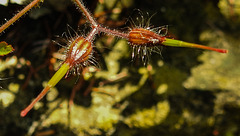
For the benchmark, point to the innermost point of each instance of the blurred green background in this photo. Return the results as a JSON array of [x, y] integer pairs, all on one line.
[[179, 92]]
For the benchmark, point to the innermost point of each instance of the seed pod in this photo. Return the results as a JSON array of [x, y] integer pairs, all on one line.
[[78, 53], [143, 42], [144, 37]]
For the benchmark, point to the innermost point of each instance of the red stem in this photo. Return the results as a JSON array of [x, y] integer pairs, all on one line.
[[91, 35], [86, 12], [30, 106], [113, 32], [18, 15]]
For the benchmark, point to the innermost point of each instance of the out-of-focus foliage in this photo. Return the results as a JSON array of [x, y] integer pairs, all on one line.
[[149, 117], [5, 48], [230, 9], [218, 72], [179, 92], [5, 2]]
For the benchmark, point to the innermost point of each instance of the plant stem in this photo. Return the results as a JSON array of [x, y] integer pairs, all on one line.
[[113, 32], [91, 35], [95, 26], [86, 12], [18, 15]]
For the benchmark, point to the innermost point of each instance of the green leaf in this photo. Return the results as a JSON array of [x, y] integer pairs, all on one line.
[[5, 48]]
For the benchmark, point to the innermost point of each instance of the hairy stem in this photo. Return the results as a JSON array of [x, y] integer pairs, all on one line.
[[91, 35], [113, 32], [18, 15], [86, 12], [96, 27]]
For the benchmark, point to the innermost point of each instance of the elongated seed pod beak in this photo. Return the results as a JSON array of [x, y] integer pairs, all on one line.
[[51, 83], [178, 43]]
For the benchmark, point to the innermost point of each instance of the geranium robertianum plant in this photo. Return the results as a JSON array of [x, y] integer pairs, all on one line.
[[80, 48]]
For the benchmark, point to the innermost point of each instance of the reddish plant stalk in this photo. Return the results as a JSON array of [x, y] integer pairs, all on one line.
[[113, 32], [18, 15], [94, 23], [91, 35], [86, 12]]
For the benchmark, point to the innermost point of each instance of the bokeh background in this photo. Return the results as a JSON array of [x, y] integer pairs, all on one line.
[[180, 91]]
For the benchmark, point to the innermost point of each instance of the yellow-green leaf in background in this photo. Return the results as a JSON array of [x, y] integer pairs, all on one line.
[[5, 48]]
